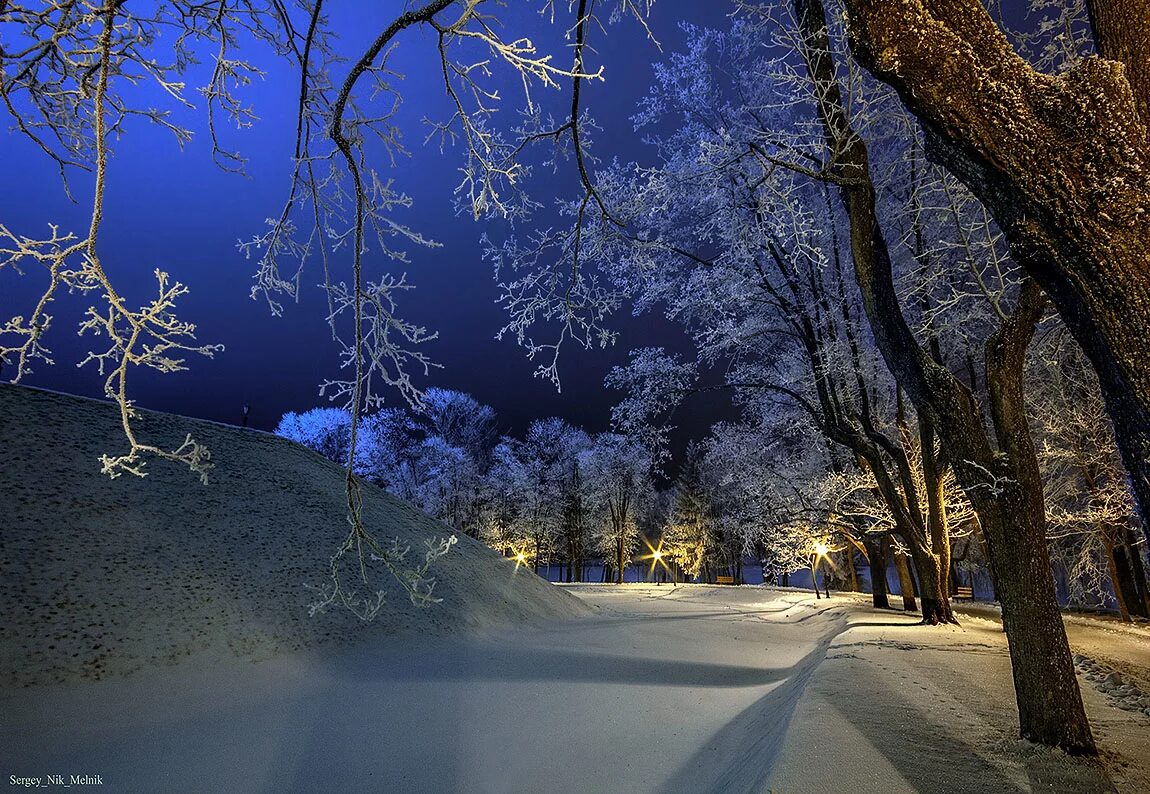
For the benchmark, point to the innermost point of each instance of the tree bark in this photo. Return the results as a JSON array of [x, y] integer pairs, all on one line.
[[1122, 33], [1033, 625], [619, 558], [1126, 582], [935, 604]]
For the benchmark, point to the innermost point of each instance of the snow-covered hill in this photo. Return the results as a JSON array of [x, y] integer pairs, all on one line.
[[101, 576]]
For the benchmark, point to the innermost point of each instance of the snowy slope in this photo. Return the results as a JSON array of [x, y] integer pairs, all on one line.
[[102, 576]]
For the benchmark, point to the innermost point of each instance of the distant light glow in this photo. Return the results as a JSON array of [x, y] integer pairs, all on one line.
[[657, 557], [821, 549]]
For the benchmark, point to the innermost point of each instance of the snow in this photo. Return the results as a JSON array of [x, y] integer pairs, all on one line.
[[664, 689], [218, 683], [932, 709], [103, 577]]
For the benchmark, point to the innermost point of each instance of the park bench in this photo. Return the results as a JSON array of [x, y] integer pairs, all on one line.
[[725, 579], [965, 593]]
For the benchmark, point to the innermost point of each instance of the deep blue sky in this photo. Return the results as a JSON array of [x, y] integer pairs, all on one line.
[[177, 211]]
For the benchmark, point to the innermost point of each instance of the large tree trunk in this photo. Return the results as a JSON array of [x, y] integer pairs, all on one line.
[[1122, 33], [1033, 623], [1126, 583], [1062, 162], [1000, 480], [935, 604]]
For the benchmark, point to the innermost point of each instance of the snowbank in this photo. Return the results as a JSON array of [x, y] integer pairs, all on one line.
[[102, 576]]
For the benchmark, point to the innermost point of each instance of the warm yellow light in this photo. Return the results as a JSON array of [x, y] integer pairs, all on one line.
[[821, 549], [657, 555], [521, 558]]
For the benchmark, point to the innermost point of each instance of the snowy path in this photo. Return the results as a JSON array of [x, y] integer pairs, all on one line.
[[665, 689], [631, 699]]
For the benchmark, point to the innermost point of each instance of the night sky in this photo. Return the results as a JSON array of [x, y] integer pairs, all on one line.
[[177, 211]]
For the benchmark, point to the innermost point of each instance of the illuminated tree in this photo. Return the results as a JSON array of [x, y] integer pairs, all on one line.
[[534, 475], [619, 469], [326, 430], [690, 537]]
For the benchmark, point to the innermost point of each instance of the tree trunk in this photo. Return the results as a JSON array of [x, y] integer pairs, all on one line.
[[935, 604], [1125, 582], [1137, 569], [905, 585], [1039, 653], [876, 557], [619, 559], [1115, 579], [1122, 33], [936, 522]]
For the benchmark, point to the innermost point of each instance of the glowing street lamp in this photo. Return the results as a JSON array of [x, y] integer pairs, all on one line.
[[821, 552], [657, 558]]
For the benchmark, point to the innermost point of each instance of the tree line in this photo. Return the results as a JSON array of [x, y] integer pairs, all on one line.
[[558, 494]]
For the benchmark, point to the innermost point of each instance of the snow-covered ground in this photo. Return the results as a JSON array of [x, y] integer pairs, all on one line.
[[156, 638], [663, 689], [101, 577]]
